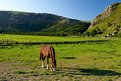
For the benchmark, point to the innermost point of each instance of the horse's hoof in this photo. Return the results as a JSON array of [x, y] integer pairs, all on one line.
[[43, 67], [47, 68], [53, 69]]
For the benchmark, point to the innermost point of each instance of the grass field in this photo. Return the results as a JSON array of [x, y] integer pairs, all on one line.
[[75, 62], [29, 38]]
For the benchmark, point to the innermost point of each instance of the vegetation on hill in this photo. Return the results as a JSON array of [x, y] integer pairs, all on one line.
[[107, 23], [40, 23], [67, 27]]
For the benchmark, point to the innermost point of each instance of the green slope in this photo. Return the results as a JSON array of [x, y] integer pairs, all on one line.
[[39, 23], [67, 27], [108, 22]]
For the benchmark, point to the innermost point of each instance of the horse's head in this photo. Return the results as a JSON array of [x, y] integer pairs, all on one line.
[[54, 65]]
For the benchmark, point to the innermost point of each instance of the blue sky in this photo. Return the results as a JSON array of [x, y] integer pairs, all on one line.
[[76, 9]]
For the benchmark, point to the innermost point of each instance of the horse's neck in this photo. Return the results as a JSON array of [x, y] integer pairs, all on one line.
[[53, 58], [53, 54]]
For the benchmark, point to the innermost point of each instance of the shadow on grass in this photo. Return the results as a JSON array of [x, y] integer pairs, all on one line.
[[68, 57], [81, 71]]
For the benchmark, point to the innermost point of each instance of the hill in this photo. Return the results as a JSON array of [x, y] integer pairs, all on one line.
[[15, 22], [108, 23]]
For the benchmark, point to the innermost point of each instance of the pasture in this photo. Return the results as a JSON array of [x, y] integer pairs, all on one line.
[[94, 61], [29, 38]]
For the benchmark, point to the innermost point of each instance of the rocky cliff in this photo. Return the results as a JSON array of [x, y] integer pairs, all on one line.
[[108, 22]]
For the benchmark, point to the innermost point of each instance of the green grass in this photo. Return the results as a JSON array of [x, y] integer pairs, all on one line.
[[29, 38], [79, 62]]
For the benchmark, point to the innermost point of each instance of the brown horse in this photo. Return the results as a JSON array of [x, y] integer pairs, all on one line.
[[47, 51]]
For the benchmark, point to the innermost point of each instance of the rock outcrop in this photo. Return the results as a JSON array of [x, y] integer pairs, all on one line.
[[108, 22]]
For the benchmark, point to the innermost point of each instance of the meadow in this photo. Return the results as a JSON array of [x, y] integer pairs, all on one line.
[[91, 61], [30, 38]]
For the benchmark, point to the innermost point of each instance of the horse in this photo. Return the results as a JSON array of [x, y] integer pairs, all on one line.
[[48, 51]]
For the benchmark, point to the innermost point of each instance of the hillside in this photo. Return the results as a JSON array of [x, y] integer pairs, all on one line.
[[40, 23], [108, 23]]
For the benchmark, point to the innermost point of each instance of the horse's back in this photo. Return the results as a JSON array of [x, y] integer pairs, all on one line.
[[47, 50]]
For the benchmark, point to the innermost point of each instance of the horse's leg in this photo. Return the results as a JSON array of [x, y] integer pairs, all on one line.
[[47, 63], [42, 59], [42, 63]]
